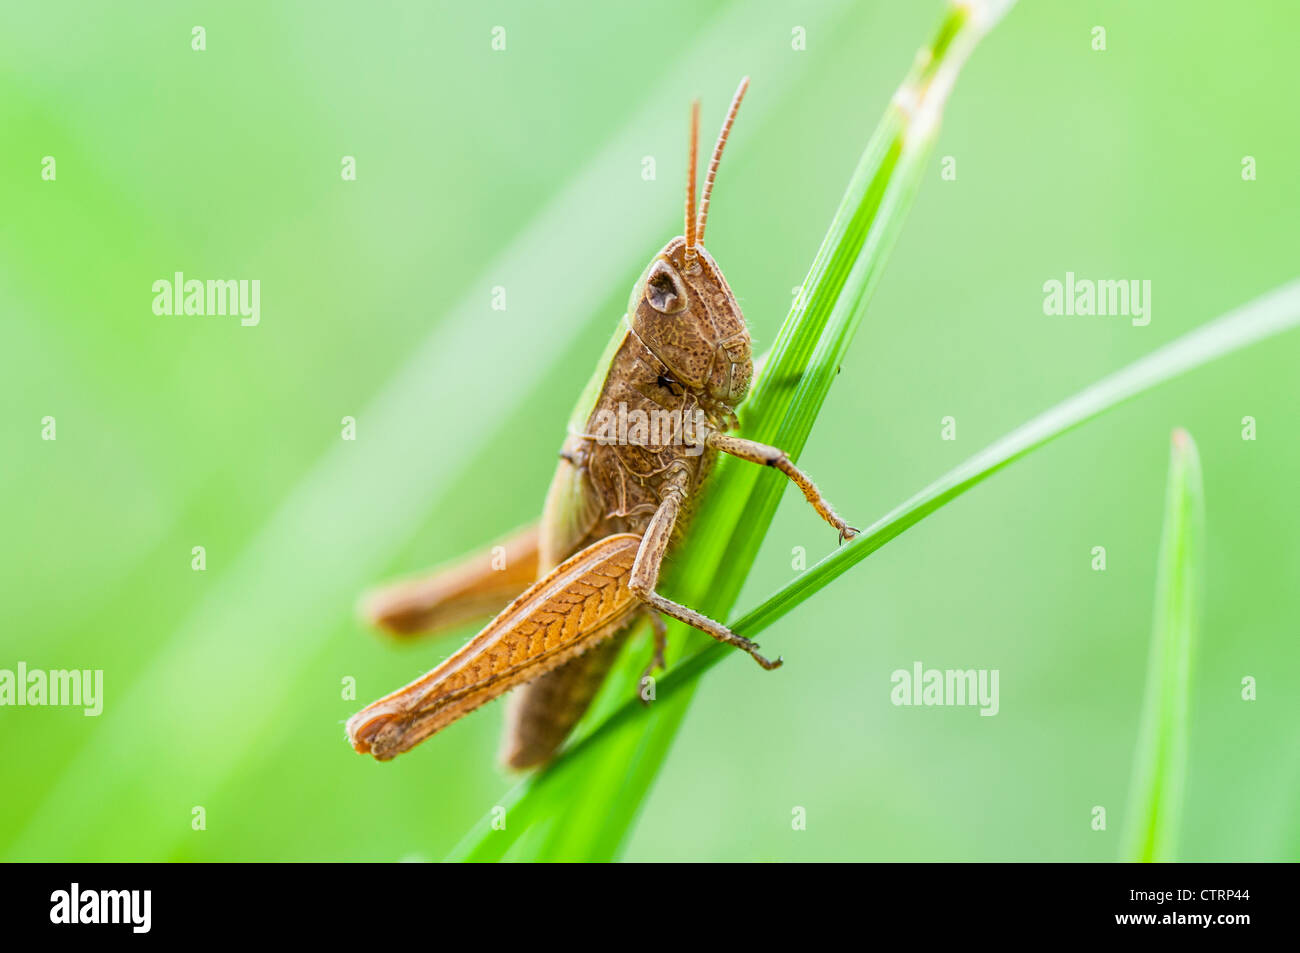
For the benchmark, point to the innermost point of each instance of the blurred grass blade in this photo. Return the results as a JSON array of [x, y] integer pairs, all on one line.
[[596, 799], [385, 490], [1160, 764]]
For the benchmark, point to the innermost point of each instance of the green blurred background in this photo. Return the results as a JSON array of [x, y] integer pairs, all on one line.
[[522, 168]]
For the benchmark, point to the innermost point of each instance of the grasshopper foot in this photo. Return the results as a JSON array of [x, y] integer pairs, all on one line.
[[752, 649]]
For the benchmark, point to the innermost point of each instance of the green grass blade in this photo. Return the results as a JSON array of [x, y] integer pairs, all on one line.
[[1266, 316], [1160, 764], [598, 798]]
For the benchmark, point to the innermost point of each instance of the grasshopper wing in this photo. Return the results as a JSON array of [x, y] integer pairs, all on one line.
[[580, 603], [473, 588]]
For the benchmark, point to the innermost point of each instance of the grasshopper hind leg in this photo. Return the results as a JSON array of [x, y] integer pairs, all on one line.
[[645, 576], [474, 587]]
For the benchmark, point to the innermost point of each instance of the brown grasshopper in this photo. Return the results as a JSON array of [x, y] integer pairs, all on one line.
[[681, 356]]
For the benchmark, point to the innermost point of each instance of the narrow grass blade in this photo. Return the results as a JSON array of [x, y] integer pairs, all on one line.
[[1160, 764], [600, 799], [1272, 314], [1266, 316]]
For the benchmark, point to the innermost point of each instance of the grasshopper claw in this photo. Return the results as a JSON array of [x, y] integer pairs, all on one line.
[[767, 663]]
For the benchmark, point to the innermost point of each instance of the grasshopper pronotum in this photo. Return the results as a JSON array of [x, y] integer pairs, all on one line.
[[681, 354]]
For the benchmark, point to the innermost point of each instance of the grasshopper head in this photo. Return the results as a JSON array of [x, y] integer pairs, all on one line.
[[683, 310], [682, 307]]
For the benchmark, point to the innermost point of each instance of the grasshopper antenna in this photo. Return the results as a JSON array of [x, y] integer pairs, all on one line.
[[692, 161], [717, 157]]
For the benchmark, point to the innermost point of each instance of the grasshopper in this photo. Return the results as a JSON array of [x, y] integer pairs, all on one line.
[[574, 585]]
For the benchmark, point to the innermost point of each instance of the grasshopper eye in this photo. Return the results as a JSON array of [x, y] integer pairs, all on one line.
[[664, 290]]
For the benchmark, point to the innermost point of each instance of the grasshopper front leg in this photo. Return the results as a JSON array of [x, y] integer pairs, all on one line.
[[778, 459], [645, 575]]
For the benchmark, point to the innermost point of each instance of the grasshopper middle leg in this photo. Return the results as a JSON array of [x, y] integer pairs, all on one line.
[[645, 575]]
